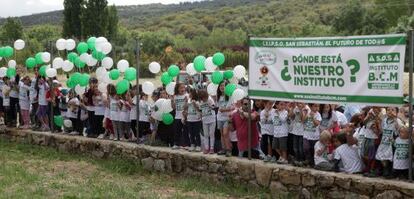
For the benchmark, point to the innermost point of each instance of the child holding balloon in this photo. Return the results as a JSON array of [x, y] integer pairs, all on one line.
[[6, 100], [43, 104], [192, 117], [24, 102], [181, 135], [225, 107], [208, 116]]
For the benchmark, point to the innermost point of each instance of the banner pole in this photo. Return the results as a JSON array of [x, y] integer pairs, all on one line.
[[249, 124], [137, 48], [52, 93], [410, 96]]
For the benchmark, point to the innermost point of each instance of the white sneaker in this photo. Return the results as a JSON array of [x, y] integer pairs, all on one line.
[[101, 136], [85, 134], [282, 161], [111, 136], [198, 149], [191, 148], [73, 133], [175, 147]]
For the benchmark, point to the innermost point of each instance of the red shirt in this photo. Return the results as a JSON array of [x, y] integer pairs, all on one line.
[[57, 93], [241, 127]]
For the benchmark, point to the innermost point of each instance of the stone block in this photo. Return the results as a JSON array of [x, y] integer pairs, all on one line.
[[159, 165], [263, 174], [147, 163], [289, 177]]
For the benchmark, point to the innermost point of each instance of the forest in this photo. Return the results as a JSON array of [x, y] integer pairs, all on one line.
[[189, 29]]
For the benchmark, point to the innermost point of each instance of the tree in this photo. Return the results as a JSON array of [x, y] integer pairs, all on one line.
[[72, 18], [94, 18], [12, 29], [112, 26], [350, 17]]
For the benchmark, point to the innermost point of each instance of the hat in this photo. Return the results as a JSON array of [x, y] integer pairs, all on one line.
[[64, 91]]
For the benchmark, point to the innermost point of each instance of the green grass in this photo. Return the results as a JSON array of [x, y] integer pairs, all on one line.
[[28, 171]]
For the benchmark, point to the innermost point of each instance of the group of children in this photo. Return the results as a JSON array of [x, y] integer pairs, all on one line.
[[369, 140]]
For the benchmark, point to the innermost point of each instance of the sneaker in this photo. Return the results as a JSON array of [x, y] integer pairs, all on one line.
[[175, 147], [73, 133], [211, 151], [191, 149], [222, 152], [273, 159], [198, 149], [111, 136], [267, 158], [228, 154], [205, 151], [101, 136], [45, 129], [283, 161], [122, 139], [85, 134], [280, 161]]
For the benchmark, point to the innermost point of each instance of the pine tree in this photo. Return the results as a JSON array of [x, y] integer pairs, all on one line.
[[12, 29], [72, 18], [95, 18]]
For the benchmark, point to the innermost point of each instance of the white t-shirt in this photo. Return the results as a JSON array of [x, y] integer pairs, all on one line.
[[389, 129], [144, 111], [179, 105], [193, 115], [324, 156], [124, 112], [359, 135], [33, 92], [296, 123], [349, 156], [266, 124], [24, 101], [326, 122], [42, 94], [341, 118], [1, 87], [99, 107], [222, 103], [280, 126], [207, 112], [6, 96], [73, 108], [401, 160], [133, 112], [107, 113], [114, 109], [14, 93], [310, 131]]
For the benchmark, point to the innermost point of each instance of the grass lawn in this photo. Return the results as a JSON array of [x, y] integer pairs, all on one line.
[[28, 171]]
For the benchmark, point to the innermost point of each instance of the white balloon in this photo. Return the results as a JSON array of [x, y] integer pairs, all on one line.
[[148, 87], [100, 72], [102, 87], [12, 64], [3, 72], [122, 65], [106, 48], [19, 44], [91, 61], [70, 44], [170, 88], [80, 90], [57, 63], [158, 104], [46, 57], [106, 78], [157, 115], [154, 67], [67, 123], [209, 65], [239, 71], [166, 106], [99, 43], [61, 44], [51, 72], [107, 62], [84, 57], [67, 66], [238, 94], [190, 69], [212, 89]]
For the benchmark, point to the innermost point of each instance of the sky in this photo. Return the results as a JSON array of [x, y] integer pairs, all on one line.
[[11, 8]]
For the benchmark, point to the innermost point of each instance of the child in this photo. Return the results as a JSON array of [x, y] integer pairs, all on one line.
[[24, 101], [295, 115], [144, 125], [42, 113], [372, 123], [14, 100], [125, 121], [311, 121], [328, 118], [52, 96], [280, 131], [401, 162], [266, 124], [224, 109], [99, 112], [74, 113], [322, 161], [1, 103], [193, 120], [389, 128], [6, 101], [208, 116], [63, 106], [181, 135], [114, 112], [110, 88], [33, 95], [347, 155]]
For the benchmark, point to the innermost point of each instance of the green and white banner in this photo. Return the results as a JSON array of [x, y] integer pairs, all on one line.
[[358, 69]]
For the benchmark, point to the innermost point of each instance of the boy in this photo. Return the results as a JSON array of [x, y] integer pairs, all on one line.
[[347, 155]]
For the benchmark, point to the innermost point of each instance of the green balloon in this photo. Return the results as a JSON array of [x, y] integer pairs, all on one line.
[[173, 70], [122, 87], [76, 78], [70, 83], [166, 78], [229, 89], [98, 55], [82, 47], [199, 63], [78, 63], [130, 74], [217, 77], [84, 80], [72, 57], [228, 74], [167, 118], [91, 43], [1, 51], [114, 74], [38, 58], [30, 62], [218, 59], [42, 70], [11, 72], [58, 120], [8, 52]]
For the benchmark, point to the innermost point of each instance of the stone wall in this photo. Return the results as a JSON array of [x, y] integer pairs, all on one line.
[[280, 179]]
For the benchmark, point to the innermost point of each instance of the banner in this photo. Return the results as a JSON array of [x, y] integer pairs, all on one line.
[[359, 69]]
